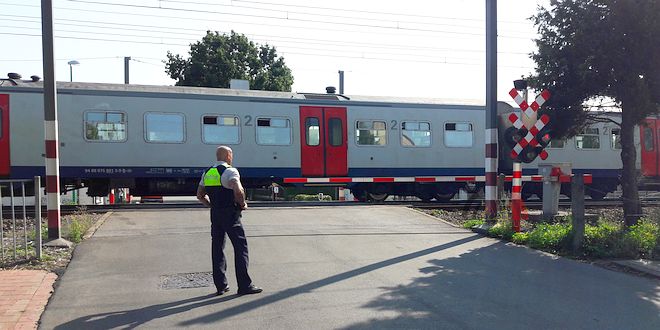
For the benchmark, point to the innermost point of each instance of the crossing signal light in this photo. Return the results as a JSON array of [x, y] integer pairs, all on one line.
[[528, 154], [543, 138], [513, 135]]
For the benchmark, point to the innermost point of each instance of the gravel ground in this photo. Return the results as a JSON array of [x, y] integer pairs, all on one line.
[[608, 214], [54, 259]]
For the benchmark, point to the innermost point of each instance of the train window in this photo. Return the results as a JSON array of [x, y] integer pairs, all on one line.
[[557, 144], [616, 138], [648, 139], [371, 133], [458, 135], [105, 126], [335, 133], [164, 127], [221, 130], [312, 128], [273, 131], [415, 134], [589, 139]]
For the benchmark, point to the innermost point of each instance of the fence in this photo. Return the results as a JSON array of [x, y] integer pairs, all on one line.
[[13, 228]]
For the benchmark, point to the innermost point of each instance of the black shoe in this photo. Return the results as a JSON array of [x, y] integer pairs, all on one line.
[[250, 290], [222, 291]]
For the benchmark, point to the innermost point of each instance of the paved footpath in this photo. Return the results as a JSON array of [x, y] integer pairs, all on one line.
[[355, 267], [23, 295]]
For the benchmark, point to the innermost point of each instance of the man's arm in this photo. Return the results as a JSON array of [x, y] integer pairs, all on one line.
[[239, 193], [201, 196]]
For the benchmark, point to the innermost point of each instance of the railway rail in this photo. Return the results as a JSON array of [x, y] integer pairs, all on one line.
[[453, 205]]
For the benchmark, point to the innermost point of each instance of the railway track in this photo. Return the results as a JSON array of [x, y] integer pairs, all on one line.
[[453, 205]]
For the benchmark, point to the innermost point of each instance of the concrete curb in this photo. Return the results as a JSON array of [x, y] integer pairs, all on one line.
[[90, 232], [648, 267]]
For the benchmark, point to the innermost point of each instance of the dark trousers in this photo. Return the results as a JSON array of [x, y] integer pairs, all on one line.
[[228, 221]]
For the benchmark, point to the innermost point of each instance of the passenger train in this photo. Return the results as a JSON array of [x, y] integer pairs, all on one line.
[[158, 140]]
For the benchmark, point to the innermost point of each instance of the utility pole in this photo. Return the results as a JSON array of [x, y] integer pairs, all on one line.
[[50, 127], [126, 60], [491, 112], [341, 82]]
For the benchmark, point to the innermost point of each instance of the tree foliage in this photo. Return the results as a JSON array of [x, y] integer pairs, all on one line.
[[218, 58], [595, 50]]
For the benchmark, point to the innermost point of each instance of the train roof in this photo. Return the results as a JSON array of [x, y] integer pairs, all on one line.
[[196, 92]]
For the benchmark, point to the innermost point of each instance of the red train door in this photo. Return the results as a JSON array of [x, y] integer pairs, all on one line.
[[324, 149], [650, 150], [4, 135]]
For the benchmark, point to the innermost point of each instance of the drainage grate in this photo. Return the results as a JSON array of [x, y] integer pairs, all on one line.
[[186, 280]]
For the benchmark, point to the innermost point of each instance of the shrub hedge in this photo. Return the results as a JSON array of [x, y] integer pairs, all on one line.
[[603, 240]]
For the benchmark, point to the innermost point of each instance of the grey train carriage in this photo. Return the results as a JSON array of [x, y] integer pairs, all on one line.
[[157, 140]]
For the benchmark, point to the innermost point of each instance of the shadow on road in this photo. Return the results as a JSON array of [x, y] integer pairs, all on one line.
[[130, 319], [211, 318], [507, 287]]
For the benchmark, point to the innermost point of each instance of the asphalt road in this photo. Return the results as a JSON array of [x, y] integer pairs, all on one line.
[[338, 268]]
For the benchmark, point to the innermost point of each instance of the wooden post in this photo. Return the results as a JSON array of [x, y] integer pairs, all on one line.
[[577, 207]]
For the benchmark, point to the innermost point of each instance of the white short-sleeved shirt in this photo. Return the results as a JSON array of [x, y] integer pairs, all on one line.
[[228, 175]]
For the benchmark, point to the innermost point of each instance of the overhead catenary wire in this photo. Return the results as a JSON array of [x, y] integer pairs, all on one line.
[[343, 9], [344, 16], [372, 56], [290, 40], [287, 18], [327, 47], [261, 23], [282, 52]]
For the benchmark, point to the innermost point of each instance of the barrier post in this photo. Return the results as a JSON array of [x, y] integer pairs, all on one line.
[[516, 196], [552, 187]]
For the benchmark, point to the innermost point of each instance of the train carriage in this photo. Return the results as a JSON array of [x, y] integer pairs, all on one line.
[[157, 140]]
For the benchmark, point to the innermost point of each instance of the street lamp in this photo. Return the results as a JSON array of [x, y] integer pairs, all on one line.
[[71, 64]]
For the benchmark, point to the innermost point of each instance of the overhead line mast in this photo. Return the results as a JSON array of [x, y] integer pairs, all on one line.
[[491, 112]]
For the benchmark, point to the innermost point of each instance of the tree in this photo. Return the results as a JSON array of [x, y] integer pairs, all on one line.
[[591, 51], [218, 58]]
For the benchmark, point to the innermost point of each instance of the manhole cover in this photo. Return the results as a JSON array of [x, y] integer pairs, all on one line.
[[186, 280]]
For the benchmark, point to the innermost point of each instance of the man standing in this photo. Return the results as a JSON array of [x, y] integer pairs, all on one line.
[[226, 198]]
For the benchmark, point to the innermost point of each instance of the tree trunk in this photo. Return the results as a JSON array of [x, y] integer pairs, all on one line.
[[632, 207]]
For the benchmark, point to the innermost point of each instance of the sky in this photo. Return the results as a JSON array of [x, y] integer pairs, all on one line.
[[413, 48]]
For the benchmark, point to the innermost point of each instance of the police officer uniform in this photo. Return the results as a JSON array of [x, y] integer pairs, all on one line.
[[226, 219]]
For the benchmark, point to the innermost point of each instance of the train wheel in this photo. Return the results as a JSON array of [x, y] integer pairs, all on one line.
[[440, 197], [376, 197], [471, 187], [597, 195], [425, 197], [360, 195]]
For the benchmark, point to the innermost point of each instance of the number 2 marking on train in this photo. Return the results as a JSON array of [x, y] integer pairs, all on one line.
[[248, 120], [394, 125]]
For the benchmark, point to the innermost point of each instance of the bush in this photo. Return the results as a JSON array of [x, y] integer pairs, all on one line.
[[520, 238], [76, 225], [502, 229], [641, 239], [603, 240], [472, 223], [550, 237]]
